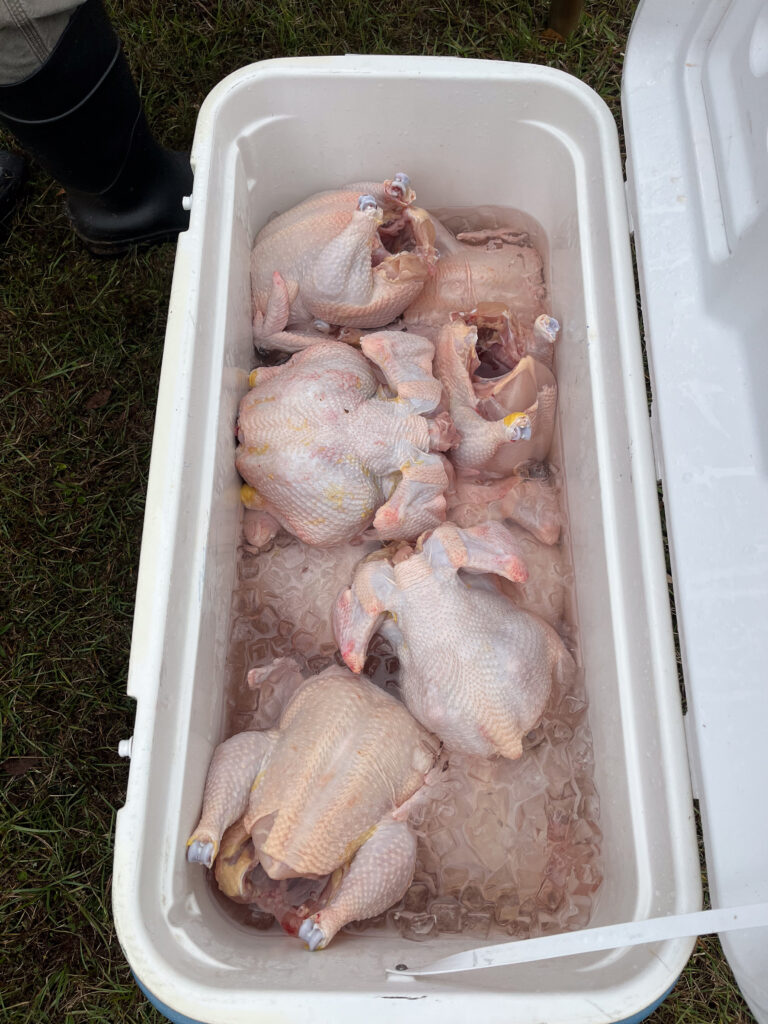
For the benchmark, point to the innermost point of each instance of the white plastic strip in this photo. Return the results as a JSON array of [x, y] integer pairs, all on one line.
[[594, 940]]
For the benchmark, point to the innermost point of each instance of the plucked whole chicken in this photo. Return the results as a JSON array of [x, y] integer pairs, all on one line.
[[324, 795], [475, 669], [324, 263], [326, 451]]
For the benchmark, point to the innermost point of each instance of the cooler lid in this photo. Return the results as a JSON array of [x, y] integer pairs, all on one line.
[[695, 109]]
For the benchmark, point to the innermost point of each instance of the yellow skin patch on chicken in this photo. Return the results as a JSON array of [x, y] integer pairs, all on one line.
[[355, 844], [335, 495], [250, 497]]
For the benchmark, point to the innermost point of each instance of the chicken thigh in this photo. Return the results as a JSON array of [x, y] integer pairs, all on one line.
[[324, 264], [326, 452], [323, 796], [475, 669]]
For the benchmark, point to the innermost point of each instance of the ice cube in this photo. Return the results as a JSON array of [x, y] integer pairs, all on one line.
[[245, 601], [520, 928], [442, 842], [415, 926], [445, 814], [559, 864], [259, 653], [559, 815], [249, 567], [480, 768], [484, 833], [477, 923], [583, 831], [427, 860], [295, 556], [578, 911], [572, 706], [447, 914], [303, 642], [549, 923], [588, 878], [535, 816], [265, 621], [243, 629], [590, 802], [550, 895], [416, 898], [506, 909], [454, 879], [559, 730], [472, 897]]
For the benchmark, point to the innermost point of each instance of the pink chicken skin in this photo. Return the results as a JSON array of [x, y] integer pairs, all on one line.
[[326, 796], [475, 669], [327, 451]]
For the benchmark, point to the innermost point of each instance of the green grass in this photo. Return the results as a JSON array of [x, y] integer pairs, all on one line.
[[81, 343]]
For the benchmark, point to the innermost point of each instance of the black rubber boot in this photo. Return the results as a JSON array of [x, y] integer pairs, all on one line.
[[81, 117]]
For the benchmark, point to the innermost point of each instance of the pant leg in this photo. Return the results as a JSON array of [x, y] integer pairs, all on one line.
[[29, 30]]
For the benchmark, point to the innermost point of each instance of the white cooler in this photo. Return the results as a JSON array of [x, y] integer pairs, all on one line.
[[468, 133]]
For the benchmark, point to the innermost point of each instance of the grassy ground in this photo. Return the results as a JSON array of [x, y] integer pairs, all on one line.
[[81, 347]]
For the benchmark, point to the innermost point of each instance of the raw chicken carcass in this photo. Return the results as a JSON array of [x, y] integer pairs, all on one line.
[[475, 670], [498, 268], [518, 407], [324, 264], [325, 796], [326, 452]]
